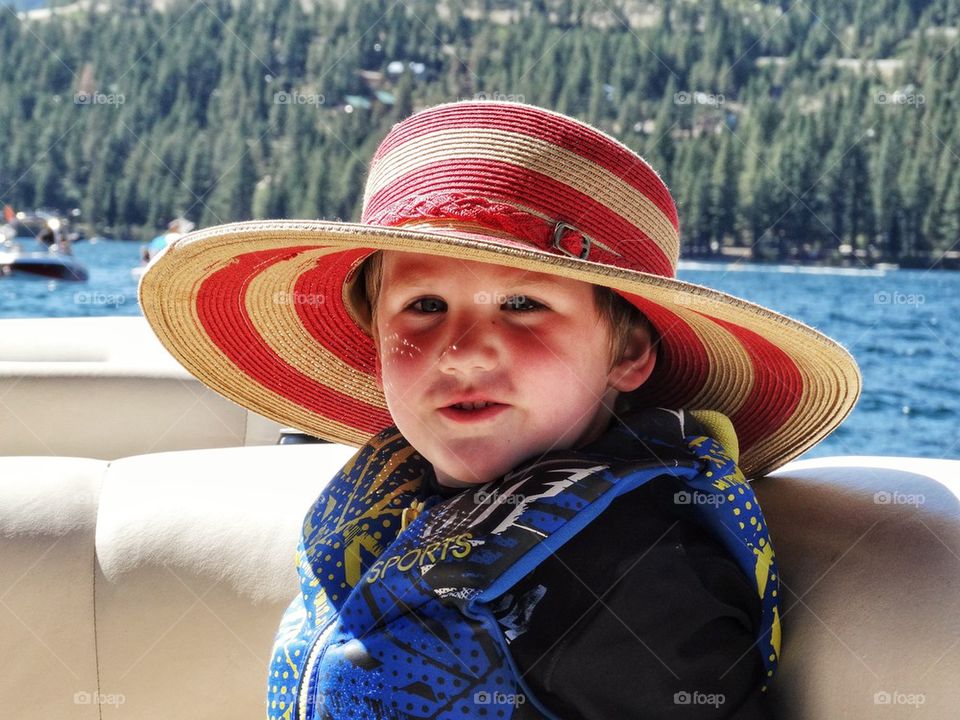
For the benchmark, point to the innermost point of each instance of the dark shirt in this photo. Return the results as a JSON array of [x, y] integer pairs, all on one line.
[[642, 614]]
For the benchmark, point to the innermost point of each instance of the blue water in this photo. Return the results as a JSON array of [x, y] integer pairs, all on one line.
[[902, 327]]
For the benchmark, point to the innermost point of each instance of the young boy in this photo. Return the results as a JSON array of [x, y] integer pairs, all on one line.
[[533, 526]]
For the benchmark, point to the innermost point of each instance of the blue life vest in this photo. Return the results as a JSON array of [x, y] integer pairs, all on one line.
[[396, 622]]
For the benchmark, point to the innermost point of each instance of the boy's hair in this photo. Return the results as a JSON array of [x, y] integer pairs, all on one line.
[[621, 316]]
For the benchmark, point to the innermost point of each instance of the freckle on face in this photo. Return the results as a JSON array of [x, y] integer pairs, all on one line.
[[395, 346]]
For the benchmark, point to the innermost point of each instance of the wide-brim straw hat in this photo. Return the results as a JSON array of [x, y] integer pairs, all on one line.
[[270, 313]]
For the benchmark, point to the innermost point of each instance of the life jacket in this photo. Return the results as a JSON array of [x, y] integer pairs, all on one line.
[[394, 617]]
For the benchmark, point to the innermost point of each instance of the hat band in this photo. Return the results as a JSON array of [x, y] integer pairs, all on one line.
[[501, 219]]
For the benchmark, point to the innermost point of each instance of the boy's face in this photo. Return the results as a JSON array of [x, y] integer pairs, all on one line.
[[534, 344]]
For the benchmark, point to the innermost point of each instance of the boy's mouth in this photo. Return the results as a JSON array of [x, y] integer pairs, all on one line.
[[469, 400], [472, 411], [473, 405]]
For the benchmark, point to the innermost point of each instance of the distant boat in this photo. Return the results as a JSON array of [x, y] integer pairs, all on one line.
[[38, 244], [175, 228]]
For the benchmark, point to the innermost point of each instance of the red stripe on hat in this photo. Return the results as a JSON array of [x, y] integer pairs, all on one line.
[[329, 323], [777, 387], [222, 312], [500, 180], [682, 364], [561, 131]]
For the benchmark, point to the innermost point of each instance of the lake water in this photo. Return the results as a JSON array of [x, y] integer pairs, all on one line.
[[903, 327]]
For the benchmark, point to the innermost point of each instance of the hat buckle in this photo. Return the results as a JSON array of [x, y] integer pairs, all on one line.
[[586, 241]]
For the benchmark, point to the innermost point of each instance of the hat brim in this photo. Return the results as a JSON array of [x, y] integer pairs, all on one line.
[[256, 311]]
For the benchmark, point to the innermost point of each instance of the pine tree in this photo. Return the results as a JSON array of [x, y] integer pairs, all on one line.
[[949, 231], [316, 198], [661, 149], [723, 191], [197, 180], [887, 201], [914, 184]]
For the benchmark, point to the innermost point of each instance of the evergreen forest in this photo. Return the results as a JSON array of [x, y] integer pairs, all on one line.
[[815, 130]]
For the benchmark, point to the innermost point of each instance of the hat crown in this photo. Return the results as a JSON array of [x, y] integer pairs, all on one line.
[[516, 171]]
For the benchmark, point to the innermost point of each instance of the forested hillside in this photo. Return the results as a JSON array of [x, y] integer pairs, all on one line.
[[805, 129]]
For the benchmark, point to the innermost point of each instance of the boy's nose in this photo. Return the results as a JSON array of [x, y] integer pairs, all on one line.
[[469, 348]]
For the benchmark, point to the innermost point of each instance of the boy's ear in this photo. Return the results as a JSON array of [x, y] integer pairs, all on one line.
[[636, 364]]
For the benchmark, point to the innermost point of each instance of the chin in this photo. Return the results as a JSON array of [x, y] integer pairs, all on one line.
[[475, 474]]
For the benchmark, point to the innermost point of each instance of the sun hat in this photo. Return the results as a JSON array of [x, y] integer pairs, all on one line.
[[270, 313]]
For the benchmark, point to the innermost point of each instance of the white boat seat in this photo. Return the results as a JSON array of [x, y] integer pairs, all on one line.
[[105, 387]]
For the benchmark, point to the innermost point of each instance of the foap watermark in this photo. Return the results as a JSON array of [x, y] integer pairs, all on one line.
[[885, 297], [900, 97], [98, 98], [696, 697], [698, 302], [483, 697], [97, 698], [483, 497], [89, 499], [496, 298], [685, 497], [99, 299], [497, 96], [884, 697], [686, 97], [298, 98], [281, 297], [898, 498]]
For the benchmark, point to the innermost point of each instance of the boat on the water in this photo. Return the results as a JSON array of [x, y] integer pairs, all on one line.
[[175, 228], [39, 244]]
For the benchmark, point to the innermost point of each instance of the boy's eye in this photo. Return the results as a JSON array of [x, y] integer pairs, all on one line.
[[522, 303], [429, 305], [518, 303]]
